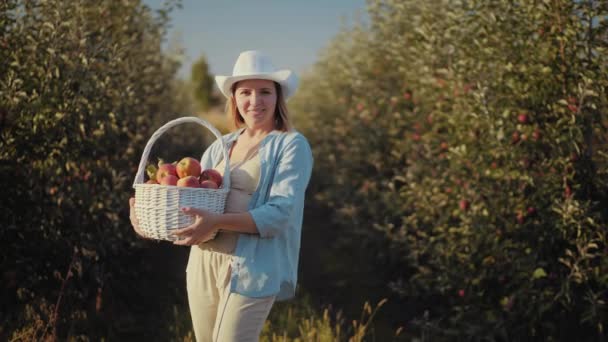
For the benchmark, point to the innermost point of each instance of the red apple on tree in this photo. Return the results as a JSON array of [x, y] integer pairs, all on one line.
[[464, 205], [520, 217], [212, 175], [568, 191], [522, 118], [536, 135], [573, 157], [515, 137], [188, 167]]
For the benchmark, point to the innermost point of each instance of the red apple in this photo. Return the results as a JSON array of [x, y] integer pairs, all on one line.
[[209, 184], [515, 137], [165, 170], [188, 182], [169, 180], [212, 175], [151, 181], [188, 167], [522, 118], [520, 217], [573, 157], [464, 205], [568, 191]]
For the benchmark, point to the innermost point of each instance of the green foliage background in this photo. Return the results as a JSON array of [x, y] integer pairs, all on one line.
[[461, 147], [202, 84], [82, 86]]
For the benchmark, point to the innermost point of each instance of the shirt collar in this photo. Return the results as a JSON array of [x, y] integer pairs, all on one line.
[[234, 135]]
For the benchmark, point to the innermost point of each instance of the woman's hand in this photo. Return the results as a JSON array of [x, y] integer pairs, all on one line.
[[133, 218], [200, 231]]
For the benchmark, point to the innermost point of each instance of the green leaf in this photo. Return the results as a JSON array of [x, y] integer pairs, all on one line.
[[539, 273], [151, 171]]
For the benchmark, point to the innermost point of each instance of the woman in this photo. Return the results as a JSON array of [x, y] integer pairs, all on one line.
[[234, 279]]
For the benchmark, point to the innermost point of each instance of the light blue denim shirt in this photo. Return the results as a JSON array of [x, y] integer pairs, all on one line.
[[267, 264]]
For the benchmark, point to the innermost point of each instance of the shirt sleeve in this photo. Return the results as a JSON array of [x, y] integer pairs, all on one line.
[[286, 195], [207, 158]]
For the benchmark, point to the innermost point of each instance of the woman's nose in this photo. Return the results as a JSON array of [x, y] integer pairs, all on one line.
[[256, 98]]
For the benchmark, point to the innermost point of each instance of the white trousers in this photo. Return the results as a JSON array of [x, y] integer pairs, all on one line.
[[217, 314]]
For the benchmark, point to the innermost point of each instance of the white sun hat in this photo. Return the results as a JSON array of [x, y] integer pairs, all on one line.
[[256, 65]]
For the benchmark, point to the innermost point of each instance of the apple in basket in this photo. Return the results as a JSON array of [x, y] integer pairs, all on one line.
[[188, 182], [211, 175], [208, 184], [188, 167], [166, 170], [169, 180]]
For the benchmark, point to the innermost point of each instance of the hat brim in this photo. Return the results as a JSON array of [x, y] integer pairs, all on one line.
[[286, 78]]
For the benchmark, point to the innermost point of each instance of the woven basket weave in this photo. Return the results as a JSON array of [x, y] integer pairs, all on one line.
[[157, 207]]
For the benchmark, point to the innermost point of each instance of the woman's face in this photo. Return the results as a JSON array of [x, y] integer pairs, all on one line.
[[256, 100]]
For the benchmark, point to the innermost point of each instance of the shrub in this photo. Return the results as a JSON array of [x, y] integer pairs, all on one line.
[[463, 143], [82, 86]]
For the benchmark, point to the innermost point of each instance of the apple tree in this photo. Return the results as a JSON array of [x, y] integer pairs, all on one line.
[[463, 143]]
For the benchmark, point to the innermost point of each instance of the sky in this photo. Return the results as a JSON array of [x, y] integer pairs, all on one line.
[[292, 32]]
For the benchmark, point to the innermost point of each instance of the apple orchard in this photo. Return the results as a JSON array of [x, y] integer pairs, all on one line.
[[460, 169]]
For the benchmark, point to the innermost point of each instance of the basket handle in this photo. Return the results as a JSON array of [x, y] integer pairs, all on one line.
[[139, 178]]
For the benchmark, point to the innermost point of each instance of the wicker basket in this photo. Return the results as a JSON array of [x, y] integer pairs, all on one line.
[[157, 207]]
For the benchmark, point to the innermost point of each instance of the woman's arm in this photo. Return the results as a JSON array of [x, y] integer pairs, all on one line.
[[286, 193], [236, 222], [207, 222]]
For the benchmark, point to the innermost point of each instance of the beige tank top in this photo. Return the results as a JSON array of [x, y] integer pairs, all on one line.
[[244, 179]]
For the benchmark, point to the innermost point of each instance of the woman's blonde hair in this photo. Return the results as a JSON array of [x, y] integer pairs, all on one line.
[[281, 115]]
